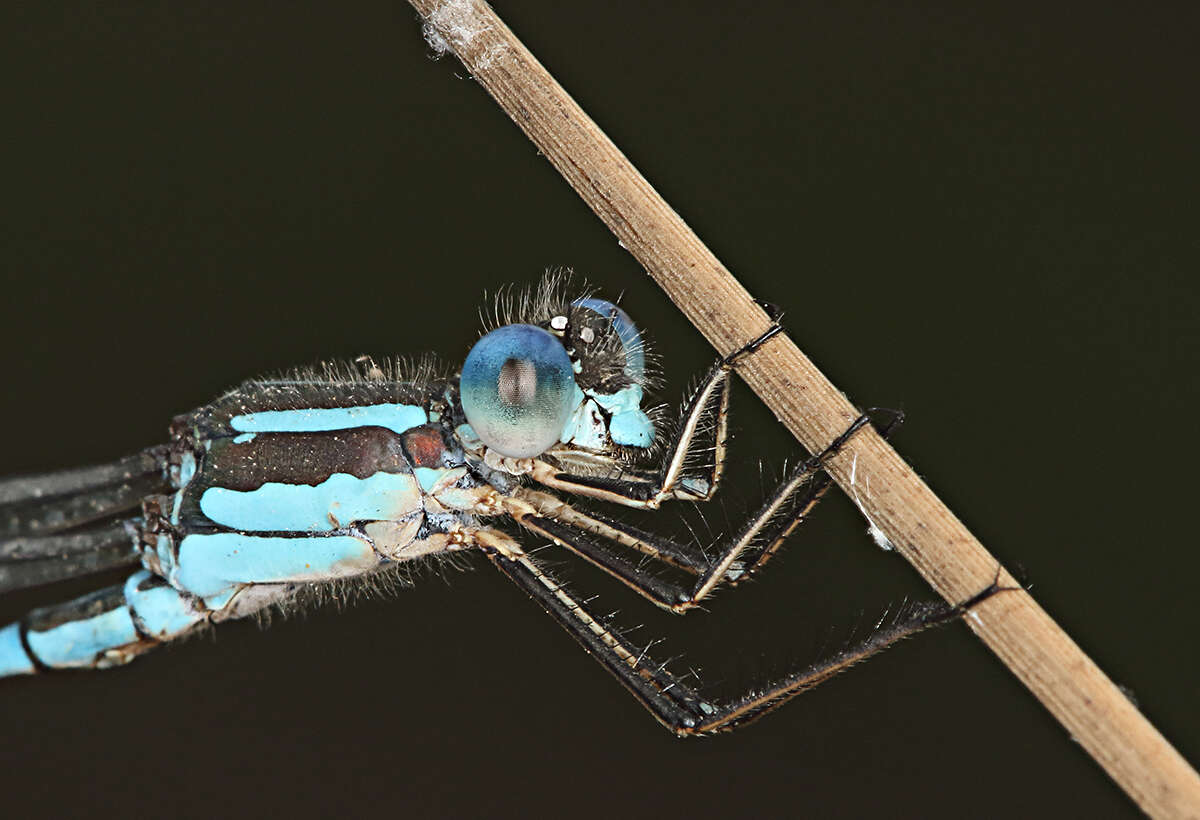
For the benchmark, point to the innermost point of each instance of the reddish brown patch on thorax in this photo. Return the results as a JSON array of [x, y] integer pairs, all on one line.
[[424, 446]]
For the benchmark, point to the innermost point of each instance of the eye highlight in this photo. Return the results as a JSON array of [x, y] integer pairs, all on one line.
[[516, 387]]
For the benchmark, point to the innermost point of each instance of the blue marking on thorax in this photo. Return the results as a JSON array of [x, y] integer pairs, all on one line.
[[163, 611], [176, 506], [211, 564], [187, 471], [395, 417], [163, 547], [13, 660], [629, 424], [341, 498], [584, 426], [221, 599], [244, 438], [428, 476], [467, 435], [77, 643]]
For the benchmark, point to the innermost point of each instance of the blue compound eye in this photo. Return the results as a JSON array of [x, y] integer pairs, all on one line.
[[517, 385], [627, 332]]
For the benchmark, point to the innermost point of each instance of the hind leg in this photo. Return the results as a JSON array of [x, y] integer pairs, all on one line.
[[106, 628]]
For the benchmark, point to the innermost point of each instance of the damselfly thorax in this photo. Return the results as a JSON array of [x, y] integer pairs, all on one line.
[[347, 472]]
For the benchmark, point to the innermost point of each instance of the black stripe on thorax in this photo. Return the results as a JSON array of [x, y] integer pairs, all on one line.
[[301, 458]]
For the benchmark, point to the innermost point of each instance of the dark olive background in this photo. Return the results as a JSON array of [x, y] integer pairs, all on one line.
[[986, 216]]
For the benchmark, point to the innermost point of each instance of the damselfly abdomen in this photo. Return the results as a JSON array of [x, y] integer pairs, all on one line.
[[343, 474]]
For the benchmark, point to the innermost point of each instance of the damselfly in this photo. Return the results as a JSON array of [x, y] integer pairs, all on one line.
[[346, 473]]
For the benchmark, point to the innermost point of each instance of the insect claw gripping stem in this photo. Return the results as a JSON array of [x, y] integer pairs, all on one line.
[[754, 344], [897, 418], [774, 311], [994, 588]]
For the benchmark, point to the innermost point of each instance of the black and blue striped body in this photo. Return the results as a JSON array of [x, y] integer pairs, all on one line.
[[276, 485], [296, 482]]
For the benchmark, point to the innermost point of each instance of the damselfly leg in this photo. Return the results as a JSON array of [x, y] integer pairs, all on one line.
[[598, 539], [676, 704], [593, 537]]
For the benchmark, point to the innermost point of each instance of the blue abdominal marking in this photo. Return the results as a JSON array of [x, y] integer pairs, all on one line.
[[395, 417], [161, 610], [244, 438], [334, 503], [76, 643], [13, 660], [211, 564]]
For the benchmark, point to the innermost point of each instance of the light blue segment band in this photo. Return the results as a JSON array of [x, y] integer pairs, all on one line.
[[77, 643], [395, 417], [312, 507], [210, 564], [163, 612], [13, 660]]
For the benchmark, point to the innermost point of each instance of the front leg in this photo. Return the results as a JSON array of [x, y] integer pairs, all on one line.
[[593, 538], [676, 478]]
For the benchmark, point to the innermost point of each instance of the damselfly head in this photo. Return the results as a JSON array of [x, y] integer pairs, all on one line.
[[570, 378]]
